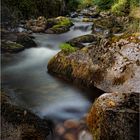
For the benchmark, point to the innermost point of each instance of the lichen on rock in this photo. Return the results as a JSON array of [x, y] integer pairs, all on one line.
[[115, 116], [110, 65]]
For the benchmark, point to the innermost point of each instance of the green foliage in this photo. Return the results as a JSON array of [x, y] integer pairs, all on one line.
[[85, 3], [67, 48], [104, 4], [72, 4], [121, 7], [34, 8]]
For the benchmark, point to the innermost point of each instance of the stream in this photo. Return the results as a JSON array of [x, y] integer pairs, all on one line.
[[25, 78]]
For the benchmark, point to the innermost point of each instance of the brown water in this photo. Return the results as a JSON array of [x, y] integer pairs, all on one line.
[[25, 77]]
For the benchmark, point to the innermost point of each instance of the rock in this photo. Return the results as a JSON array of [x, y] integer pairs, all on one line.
[[74, 15], [91, 12], [11, 47], [69, 136], [111, 65], [106, 25], [71, 124], [59, 30], [38, 25], [79, 41], [18, 125], [109, 25], [115, 116], [59, 25], [50, 26], [15, 41], [60, 130], [72, 130], [87, 20], [84, 135], [7, 35], [25, 40]]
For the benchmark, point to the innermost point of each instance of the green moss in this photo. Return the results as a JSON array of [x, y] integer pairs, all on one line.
[[63, 22], [119, 7], [11, 45], [67, 48]]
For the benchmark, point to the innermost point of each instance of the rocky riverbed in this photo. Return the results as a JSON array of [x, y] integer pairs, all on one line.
[[105, 58]]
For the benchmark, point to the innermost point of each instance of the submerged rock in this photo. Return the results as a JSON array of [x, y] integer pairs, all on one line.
[[111, 65], [115, 116], [20, 124], [72, 130]]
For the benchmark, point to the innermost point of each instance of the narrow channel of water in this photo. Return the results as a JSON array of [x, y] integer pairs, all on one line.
[[25, 77]]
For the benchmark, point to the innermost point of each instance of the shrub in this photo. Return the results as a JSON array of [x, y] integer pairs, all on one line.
[[72, 5], [67, 48], [121, 7], [85, 3], [104, 4]]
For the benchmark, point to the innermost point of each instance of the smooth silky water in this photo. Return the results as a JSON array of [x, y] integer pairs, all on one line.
[[25, 78]]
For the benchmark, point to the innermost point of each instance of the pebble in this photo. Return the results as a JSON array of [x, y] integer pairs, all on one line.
[[69, 136], [84, 135], [60, 130], [71, 124]]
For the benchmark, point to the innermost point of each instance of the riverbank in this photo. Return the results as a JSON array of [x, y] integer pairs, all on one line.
[[104, 58]]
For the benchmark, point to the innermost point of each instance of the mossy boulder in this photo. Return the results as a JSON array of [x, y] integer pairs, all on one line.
[[59, 25], [50, 26], [115, 116], [111, 65], [15, 41], [21, 124], [11, 47]]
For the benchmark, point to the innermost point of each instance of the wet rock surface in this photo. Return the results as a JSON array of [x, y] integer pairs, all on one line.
[[111, 65], [38, 25], [72, 130], [13, 42], [50, 26], [11, 47], [79, 41], [20, 124], [108, 25], [115, 116]]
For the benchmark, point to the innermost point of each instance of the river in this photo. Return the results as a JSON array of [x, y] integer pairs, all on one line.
[[25, 78]]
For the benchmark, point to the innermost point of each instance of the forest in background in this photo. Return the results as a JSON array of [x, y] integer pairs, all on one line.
[[25, 9]]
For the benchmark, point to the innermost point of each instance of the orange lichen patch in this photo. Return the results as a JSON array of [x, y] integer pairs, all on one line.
[[111, 104]]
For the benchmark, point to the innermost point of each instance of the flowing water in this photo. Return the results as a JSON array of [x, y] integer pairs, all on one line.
[[25, 77]]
